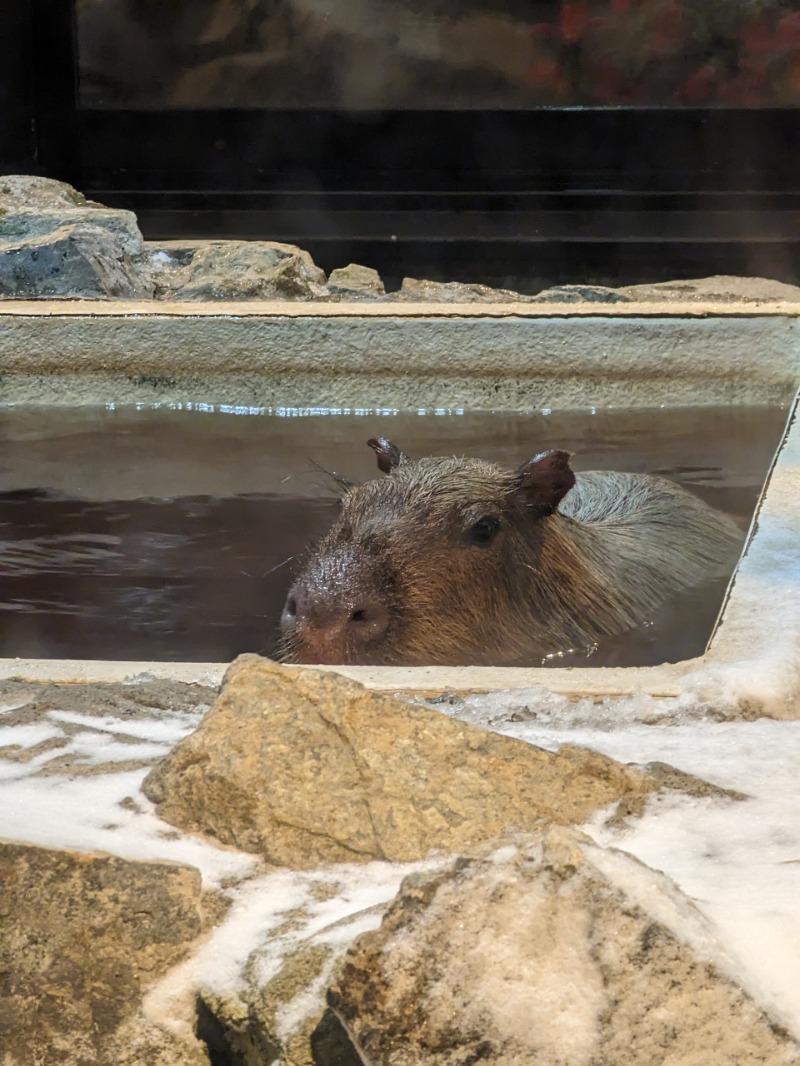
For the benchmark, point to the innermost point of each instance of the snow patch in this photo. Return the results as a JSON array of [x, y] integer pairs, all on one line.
[[98, 749], [270, 917], [106, 812], [739, 862], [27, 735], [6, 707], [169, 729]]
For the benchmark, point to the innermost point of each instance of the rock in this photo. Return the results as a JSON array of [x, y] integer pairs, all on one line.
[[253, 1027], [306, 767], [71, 261], [81, 937], [355, 280], [725, 289], [34, 207], [143, 702], [28, 192], [140, 1043], [580, 294], [56, 243], [276, 1009], [720, 288], [142, 699], [455, 292], [234, 270], [542, 952]]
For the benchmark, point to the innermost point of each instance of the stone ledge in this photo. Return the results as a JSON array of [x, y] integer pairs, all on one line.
[[75, 308], [659, 681]]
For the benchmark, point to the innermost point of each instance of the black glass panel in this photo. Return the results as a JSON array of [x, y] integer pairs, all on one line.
[[418, 54]]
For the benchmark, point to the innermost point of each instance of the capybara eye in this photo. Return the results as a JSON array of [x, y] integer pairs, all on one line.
[[291, 607], [482, 532]]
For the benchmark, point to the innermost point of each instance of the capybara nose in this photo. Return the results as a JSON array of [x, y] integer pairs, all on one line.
[[361, 623], [302, 610], [368, 621]]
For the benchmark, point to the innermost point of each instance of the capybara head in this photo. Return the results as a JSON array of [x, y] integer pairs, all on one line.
[[432, 564]]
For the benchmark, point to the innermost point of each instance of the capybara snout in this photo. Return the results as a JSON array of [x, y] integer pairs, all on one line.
[[341, 624]]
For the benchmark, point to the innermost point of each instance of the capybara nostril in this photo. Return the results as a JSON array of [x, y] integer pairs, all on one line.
[[368, 621], [295, 607]]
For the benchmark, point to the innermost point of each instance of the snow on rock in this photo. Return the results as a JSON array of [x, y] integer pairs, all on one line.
[[740, 862], [538, 956], [271, 958], [72, 779], [71, 774]]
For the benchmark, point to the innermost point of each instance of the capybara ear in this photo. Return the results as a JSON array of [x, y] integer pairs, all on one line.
[[389, 455], [545, 480]]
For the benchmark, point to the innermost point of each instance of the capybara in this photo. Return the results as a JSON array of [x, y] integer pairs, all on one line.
[[457, 561]]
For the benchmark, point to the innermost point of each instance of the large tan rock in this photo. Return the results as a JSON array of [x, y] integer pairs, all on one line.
[[534, 954], [306, 767], [81, 937], [234, 270]]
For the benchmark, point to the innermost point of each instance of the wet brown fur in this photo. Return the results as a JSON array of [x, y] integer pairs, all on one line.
[[568, 566]]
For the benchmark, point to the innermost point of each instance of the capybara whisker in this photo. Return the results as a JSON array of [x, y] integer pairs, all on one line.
[[277, 566]]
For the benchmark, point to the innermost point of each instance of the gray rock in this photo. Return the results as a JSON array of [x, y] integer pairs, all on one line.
[[54, 243], [30, 192], [455, 292], [549, 951], [81, 938], [233, 270], [307, 767], [72, 261], [568, 294], [354, 281], [34, 207]]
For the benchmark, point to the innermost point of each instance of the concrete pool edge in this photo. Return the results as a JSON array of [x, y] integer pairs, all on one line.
[[744, 646], [407, 309], [419, 680], [345, 356]]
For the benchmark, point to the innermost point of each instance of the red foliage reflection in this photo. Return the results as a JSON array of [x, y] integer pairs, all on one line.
[[668, 52]]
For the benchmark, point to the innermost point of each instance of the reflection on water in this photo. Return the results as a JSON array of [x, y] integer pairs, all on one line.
[[408, 54], [193, 578], [159, 534]]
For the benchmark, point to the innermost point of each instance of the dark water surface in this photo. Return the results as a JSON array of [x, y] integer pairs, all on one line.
[[172, 534]]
